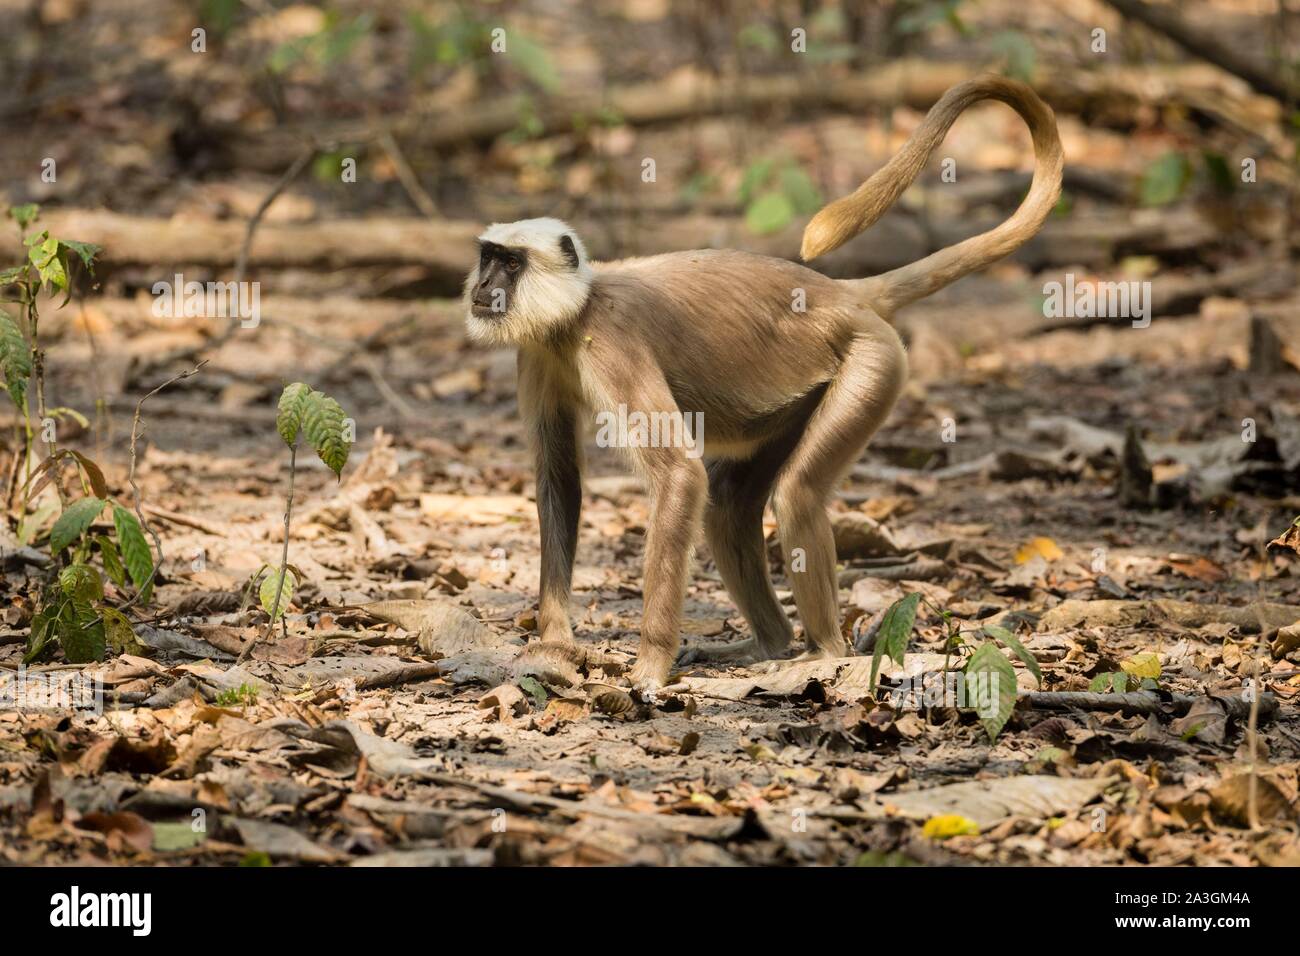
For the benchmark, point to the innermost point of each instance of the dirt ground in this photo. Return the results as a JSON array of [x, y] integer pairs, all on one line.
[[404, 713]]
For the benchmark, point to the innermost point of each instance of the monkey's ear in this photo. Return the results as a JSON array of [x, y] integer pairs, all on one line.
[[570, 250]]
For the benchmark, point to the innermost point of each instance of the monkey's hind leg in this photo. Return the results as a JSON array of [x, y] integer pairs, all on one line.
[[733, 525], [855, 405]]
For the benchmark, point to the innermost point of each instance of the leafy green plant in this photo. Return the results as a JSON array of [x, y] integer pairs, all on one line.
[[303, 413], [1139, 672], [325, 48], [464, 38], [241, 696], [989, 677], [773, 191], [72, 610], [47, 267]]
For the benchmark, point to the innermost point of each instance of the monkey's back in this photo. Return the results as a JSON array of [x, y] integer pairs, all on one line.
[[739, 336]]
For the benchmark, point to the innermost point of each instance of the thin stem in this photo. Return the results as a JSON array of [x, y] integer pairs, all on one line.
[[1252, 737], [284, 561], [135, 488]]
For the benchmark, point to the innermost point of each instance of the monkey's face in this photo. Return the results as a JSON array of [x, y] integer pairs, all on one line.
[[499, 270], [531, 281]]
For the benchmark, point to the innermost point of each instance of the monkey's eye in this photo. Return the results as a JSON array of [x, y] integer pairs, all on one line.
[[512, 264]]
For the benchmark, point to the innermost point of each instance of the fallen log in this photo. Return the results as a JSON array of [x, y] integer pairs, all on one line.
[[1206, 46], [1145, 702], [445, 249], [1118, 94]]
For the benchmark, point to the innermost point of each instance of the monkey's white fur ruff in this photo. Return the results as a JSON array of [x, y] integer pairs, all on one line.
[[550, 291]]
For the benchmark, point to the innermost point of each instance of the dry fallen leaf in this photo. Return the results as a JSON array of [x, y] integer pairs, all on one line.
[[1044, 548]]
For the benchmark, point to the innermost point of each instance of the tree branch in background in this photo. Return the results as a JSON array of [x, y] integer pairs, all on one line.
[[1206, 47]]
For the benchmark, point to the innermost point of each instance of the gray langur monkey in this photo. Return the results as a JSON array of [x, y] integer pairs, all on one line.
[[789, 398]]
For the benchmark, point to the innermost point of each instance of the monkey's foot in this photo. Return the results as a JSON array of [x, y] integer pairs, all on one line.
[[748, 651], [648, 677]]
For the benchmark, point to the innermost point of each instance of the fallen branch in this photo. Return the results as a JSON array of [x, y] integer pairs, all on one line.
[[1118, 92], [1146, 702], [187, 521], [1166, 20]]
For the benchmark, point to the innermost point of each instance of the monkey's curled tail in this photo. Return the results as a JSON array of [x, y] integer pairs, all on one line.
[[845, 218]]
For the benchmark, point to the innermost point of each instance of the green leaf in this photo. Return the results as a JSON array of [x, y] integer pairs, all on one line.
[[74, 521], [112, 560], [533, 688], [169, 836], [533, 61], [760, 36], [13, 274], [81, 583], [85, 251], [293, 401], [895, 629], [135, 549], [80, 632], [1100, 684], [266, 593], [1164, 180], [1013, 642], [24, 215], [1119, 682], [755, 177], [323, 424], [15, 359], [119, 633], [770, 212], [1019, 54], [990, 687], [42, 633], [800, 190], [50, 263]]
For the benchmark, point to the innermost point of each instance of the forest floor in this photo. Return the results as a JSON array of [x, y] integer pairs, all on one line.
[[400, 715], [352, 738]]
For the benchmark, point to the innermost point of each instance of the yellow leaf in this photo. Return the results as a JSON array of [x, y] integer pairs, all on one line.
[[1039, 547], [760, 751], [949, 825], [1146, 664]]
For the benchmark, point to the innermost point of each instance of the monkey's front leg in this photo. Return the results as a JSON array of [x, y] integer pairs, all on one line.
[[559, 504], [678, 489]]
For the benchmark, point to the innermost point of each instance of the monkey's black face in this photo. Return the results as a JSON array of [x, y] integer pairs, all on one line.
[[499, 269]]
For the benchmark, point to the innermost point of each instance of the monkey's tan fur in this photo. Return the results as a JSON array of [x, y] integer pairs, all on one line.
[[789, 398]]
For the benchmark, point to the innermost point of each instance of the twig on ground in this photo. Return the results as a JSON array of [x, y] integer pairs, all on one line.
[[406, 176]]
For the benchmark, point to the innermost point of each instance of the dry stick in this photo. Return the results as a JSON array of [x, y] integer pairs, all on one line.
[[406, 176], [241, 263], [284, 561], [135, 488]]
